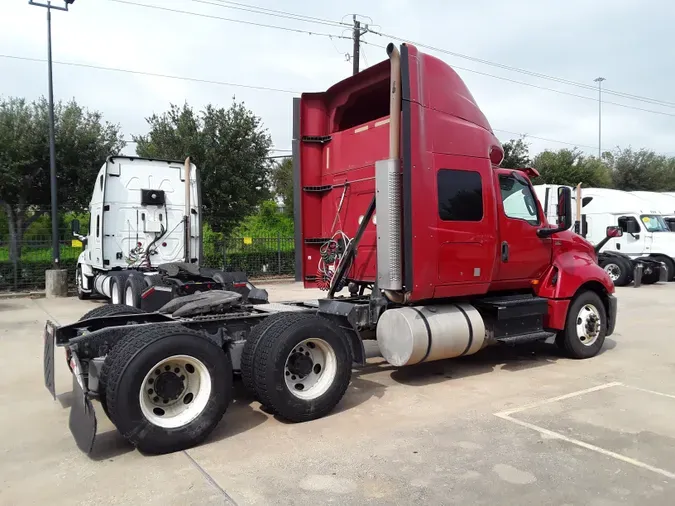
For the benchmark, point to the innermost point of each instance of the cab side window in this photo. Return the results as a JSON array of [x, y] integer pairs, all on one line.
[[460, 195], [517, 198]]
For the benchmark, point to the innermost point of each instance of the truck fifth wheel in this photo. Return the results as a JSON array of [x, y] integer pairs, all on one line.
[[459, 256]]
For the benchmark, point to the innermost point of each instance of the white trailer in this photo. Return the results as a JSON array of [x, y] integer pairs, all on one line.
[[145, 232], [645, 232]]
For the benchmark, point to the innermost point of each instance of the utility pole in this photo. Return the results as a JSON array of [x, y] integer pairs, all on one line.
[[52, 142], [599, 81], [356, 35]]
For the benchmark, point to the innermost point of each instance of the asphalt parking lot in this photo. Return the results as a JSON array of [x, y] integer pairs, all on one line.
[[519, 426]]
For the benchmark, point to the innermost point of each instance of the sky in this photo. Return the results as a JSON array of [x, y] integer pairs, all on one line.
[[627, 42]]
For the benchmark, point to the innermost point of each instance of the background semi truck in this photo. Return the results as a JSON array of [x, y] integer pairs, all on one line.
[[402, 204], [144, 244], [664, 202], [645, 242]]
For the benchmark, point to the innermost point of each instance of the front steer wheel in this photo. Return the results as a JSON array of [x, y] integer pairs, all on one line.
[[301, 367], [585, 327], [167, 387]]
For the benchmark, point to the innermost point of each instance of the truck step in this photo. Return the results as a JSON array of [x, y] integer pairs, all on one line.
[[539, 335], [512, 306]]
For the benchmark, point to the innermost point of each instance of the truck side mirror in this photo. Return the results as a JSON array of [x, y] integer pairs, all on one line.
[[632, 226], [613, 232], [564, 213], [75, 226], [564, 207]]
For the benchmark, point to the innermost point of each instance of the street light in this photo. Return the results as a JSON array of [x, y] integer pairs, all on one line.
[[599, 81], [52, 142]]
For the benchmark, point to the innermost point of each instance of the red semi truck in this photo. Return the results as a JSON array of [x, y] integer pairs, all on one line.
[[400, 199]]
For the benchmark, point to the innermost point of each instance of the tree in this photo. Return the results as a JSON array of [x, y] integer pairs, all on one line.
[[282, 179], [267, 222], [516, 154], [83, 141], [230, 149], [642, 170], [571, 167]]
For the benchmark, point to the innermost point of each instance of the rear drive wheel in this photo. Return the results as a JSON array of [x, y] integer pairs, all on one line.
[[248, 353], [133, 289], [617, 270], [168, 387], [650, 275], [82, 295], [116, 290], [302, 366], [585, 327], [109, 336]]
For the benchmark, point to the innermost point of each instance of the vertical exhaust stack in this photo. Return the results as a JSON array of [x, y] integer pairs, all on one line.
[[188, 221], [388, 192]]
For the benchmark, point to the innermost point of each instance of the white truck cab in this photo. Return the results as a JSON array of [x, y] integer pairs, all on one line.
[[664, 202], [143, 214], [645, 231]]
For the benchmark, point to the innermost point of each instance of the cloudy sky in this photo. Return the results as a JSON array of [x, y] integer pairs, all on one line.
[[628, 42]]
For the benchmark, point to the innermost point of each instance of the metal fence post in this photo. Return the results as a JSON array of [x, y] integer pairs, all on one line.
[[224, 253], [279, 250]]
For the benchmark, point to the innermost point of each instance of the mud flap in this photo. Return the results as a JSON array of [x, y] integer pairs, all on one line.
[[48, 359], [663, 274], [637, 276], [82, 421]]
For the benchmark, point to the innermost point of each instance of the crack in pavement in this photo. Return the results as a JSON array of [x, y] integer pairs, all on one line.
[[209, 478]]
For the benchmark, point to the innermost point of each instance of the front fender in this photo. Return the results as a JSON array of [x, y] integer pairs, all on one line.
[[569, 272], [82, 264]]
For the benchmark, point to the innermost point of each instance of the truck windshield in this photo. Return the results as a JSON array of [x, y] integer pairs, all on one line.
[[654, 223]]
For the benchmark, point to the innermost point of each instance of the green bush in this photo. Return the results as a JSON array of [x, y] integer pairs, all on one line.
[[30, 275]]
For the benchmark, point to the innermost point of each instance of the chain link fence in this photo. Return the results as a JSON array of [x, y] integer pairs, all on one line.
[[26, 251]]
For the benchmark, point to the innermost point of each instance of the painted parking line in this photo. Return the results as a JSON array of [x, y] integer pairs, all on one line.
[[506, 415]]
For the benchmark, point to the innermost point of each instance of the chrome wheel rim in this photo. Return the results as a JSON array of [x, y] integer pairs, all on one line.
[[175, 391], [310, 368], [588, 325], [613, 270]]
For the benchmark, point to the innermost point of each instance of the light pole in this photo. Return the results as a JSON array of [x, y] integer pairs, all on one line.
[[599, 81], [52, 142]]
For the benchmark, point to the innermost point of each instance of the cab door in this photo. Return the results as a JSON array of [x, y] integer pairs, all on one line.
[[522, 254]]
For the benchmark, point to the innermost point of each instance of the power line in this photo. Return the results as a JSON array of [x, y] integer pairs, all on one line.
[[433, 48], [544, 87], [210, 16], [302, 17], [527, 72], [236, 85], [153, 74], [271, 12], [520, 134]]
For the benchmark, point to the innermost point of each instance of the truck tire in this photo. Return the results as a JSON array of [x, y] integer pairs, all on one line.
[[133, 289], [250, 347], [670, 266], [116, 290], [651, 277], [302, 367], [109, 310], [618, 268], [167, 387], [78, 284], [585, 327], [111, 335]]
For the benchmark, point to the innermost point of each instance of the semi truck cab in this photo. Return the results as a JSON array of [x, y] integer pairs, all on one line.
[[400, 164]]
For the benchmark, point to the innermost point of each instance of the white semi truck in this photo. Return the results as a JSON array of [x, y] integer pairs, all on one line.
[[645, 240], [664, 202], [144, 244]]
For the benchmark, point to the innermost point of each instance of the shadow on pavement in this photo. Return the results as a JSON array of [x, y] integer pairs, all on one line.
[[109, 445]]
